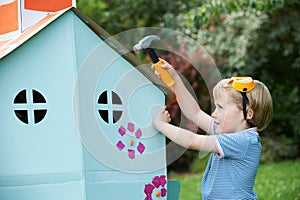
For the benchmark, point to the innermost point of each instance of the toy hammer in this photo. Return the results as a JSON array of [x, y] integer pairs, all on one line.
[[144, 44]]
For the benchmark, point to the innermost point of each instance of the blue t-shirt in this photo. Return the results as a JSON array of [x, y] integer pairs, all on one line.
[[231, 173]]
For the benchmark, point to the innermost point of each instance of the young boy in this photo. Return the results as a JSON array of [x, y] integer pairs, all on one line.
[[243, 107]]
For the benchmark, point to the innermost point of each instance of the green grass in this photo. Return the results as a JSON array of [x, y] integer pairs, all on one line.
[[273, 181]]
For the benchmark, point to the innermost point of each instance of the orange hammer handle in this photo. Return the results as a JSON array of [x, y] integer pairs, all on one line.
[[164, 74]]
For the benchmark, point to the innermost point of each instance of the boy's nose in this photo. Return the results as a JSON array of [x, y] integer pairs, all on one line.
[[214, 114]]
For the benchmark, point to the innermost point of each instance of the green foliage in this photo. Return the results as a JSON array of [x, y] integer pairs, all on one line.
[[277, 54], [212, 11], [230, 35], [260, 39], [229, 41], [121, 15], [273, 181], [279, 148]]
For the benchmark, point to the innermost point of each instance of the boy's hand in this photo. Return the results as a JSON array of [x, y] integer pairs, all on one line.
[[166, 66], [162, 117]]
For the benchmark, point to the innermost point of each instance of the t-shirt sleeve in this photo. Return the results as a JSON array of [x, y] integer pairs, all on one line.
[[211, 129], [233, 145]]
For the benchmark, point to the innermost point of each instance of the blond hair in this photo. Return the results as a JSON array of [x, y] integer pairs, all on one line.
[[260, 101]]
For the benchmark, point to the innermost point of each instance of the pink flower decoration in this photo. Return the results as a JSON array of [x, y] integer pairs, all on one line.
[[163, 192], [120, 145], [156, 181], [138, 133], [148, 188], [163, 180], [141, 148], [159, 183], [131, 153], [148, 197], [130, 127], [122, 130]]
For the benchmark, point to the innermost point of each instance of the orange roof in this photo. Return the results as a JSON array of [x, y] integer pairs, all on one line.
[[9, 17], [47, 6], [8, 45]]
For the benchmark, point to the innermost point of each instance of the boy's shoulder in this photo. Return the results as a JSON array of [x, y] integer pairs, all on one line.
[[250, 134], [237, 144]]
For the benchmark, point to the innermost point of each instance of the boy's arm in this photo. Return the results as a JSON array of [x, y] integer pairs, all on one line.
[[184, 137], [188, 105]]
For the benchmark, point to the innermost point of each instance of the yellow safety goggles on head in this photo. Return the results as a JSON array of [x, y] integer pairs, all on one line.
[[244, 84]]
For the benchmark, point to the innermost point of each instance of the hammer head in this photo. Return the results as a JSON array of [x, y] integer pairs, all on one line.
[[144, 43]]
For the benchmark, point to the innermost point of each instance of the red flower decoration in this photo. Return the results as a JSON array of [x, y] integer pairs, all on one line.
[[159, 181], [122, 130], [163, 192], [131, 153], [138, 133], [158, 185], [140, 147], [120, 145], [130, 127], [148, 188]]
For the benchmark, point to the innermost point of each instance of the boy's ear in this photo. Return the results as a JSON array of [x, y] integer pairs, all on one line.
[[250, 113]]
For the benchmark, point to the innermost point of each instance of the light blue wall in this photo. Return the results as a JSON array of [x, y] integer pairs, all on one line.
[[110, 173], [48, 160], [48, 152]]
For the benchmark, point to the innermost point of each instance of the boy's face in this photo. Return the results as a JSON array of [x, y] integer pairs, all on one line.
[[227, 116]]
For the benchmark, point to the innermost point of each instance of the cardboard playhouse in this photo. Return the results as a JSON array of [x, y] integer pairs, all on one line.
[[76, 114]]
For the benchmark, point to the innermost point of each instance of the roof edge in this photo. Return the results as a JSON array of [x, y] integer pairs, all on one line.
[[120, 49], [10, 44]]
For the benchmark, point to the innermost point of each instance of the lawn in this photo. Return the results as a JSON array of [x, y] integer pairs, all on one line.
[[273, 181]]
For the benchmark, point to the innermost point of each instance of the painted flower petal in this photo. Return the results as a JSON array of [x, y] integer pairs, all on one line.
[[163, 180], [138, 133], [130, 127], [148, 189], [163, 192], [122, 130], [148, 197], [141, 148], [156, 181], [120, 145], [131, 153]]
